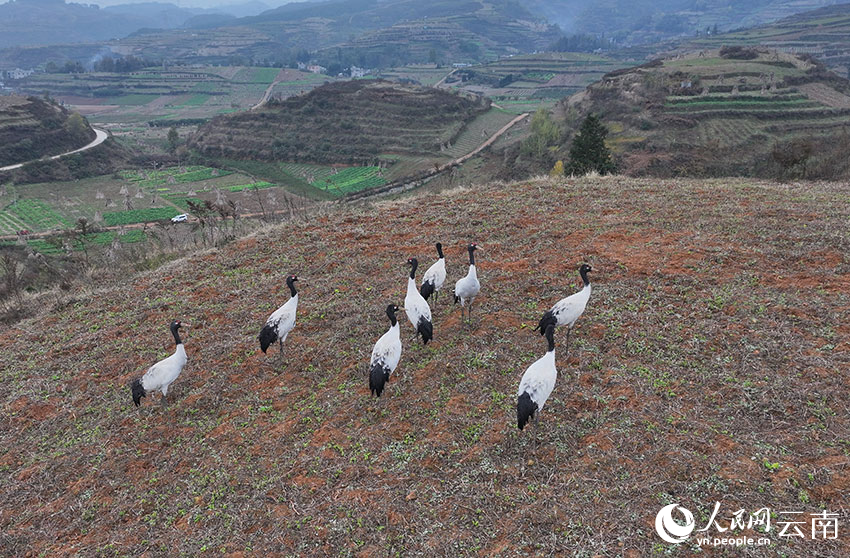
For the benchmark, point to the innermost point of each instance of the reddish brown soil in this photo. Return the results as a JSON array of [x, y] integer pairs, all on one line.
[[709, 366]]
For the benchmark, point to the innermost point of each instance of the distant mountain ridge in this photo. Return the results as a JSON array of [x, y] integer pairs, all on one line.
[[631, 22], [367, 33], [47, 22]]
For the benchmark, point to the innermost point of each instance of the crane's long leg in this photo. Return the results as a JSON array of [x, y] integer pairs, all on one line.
[[280, 354]]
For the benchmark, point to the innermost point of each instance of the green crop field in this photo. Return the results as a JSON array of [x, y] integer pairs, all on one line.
[[134, 99], [157, 178], [182, 200], [257, 75], [336, 182], [254, 185], [55, 246], [37, 215], [10, 223], [195, 101], [350, 180]]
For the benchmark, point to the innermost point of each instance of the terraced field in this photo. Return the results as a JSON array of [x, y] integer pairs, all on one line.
[[10, 223], [823, 33], [527, 82], [478, 131], [37, 215], [336, 181], [708, 114]]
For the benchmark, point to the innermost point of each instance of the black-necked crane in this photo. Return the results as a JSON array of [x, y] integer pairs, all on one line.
[[467, 288], [434, 278], [566, 311], [385, 354], [537, 383], [416, 307], [282, 320], [162, 374]]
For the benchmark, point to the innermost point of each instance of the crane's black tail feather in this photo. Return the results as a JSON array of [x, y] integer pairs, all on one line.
[[547, 320], [525, 409], [267, 336], [378, 376], [138, 391], [426, 330], [427, 289]]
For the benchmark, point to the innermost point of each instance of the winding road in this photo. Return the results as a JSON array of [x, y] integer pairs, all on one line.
[[100, 137]]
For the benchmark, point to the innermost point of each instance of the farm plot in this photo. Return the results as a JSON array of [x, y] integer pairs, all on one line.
[[58, 246], [478, 131], [743, 103], [256, 75], [182, 175], [37, 215], [10, 223], [182, 200], [336, 181], [261, 185], [726, 131], [131, 216], [352, 179]]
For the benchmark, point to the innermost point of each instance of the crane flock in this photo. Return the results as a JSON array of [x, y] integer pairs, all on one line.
[[536, 384]]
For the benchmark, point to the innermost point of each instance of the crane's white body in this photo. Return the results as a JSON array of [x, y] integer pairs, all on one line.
[[415, 306], [282, 320], [539, 379], [387, 351], [567, 310], [436, 274], [163, 373], [467, 288]]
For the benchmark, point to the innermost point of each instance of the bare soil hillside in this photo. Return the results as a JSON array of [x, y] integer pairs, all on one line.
[[710, 366], [31, 128]]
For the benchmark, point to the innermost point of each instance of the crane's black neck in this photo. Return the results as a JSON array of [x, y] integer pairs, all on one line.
[[175, 331], [550, 337], [471, 255], [291, 284], [583, 273], [413, 265], [440, 250], [391, 316]]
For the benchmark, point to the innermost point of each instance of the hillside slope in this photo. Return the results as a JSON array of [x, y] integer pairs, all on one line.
[[709, 366], [344, 122], [734, 111], [645, 21], [824, 33], [50, 22], [31, 128], [364, 32]]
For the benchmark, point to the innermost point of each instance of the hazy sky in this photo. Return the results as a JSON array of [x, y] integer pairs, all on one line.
[[183, 3]]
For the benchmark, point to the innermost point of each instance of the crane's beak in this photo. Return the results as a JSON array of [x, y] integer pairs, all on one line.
[[401, 307]]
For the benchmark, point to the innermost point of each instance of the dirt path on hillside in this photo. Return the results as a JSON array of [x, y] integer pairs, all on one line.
[[266, 96], [445, 77], [411, 183], [100, 137]]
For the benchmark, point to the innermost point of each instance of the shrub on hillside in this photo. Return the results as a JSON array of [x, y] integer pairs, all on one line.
[[737, 52]]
